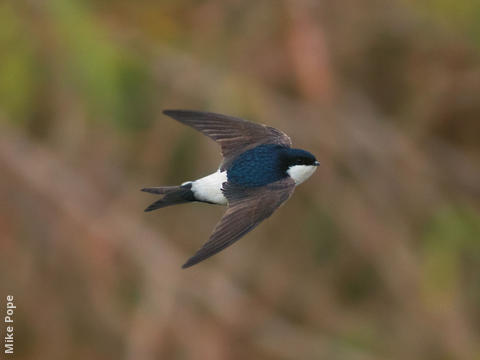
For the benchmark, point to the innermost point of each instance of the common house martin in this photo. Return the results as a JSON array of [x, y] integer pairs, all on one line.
[[258, 174]]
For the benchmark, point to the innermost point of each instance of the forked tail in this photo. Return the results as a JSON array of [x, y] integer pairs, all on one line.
[[174, 195]]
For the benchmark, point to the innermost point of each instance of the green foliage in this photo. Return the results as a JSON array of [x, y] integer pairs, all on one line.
[[17, 65], [452, 235], [321, 228], [182, 159], [460, 14], [115, 84]]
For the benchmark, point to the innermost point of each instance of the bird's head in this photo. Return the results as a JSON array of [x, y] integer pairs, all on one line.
[[299, 164]]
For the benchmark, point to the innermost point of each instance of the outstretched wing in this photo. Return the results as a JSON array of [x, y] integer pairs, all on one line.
[[234, 135], [247, 207]]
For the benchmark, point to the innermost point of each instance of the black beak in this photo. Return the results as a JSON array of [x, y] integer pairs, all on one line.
[[316, 163]]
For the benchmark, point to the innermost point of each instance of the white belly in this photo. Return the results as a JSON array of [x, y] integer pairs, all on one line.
[[300, 173], [209, 188]]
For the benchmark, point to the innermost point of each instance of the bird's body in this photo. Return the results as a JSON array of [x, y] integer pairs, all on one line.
[[259, 172], [256, 167]]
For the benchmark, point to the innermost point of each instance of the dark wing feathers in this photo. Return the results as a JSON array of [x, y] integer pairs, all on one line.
[[234, 135], [247, 207]]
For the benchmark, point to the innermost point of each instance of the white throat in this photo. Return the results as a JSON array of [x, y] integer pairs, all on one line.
[[300, 173]]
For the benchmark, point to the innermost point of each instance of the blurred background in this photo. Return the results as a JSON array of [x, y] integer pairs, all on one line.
[[377, 256]]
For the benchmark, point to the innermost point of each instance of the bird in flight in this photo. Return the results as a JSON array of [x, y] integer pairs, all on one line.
[[259, 172]]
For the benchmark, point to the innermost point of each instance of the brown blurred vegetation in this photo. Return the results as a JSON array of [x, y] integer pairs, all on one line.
[[377, 256]]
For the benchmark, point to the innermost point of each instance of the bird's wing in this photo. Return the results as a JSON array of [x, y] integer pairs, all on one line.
[[247, 207], [234, 135]]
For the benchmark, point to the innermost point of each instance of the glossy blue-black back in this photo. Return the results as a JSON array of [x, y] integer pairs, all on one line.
[[259, 166]]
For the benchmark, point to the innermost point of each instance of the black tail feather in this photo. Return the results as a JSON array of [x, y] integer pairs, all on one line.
[[174, 195], [161, 190]]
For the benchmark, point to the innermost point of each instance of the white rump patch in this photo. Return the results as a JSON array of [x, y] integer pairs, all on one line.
[[209, 188], [300, 173]]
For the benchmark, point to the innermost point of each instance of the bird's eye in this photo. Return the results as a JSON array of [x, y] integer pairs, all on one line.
[[299, 161]]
